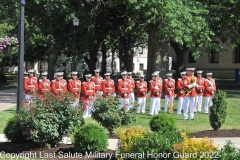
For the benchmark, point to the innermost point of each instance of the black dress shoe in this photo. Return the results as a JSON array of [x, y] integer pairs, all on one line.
[[192, 119]]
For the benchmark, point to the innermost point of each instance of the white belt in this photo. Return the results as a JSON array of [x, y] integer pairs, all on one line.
[[125, 88], [59, 89], [97, 85], [90, 91], [108, 88], [75, 88]]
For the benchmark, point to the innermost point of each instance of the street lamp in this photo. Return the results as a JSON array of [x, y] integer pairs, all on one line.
[[20, 56], [75, 24]]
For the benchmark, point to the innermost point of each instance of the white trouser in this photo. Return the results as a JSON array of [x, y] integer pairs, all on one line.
[[154, 105], [199, 102], [167, 100], [208, 101], [75, 102], [132, 99], [159, 102], [28, 100], [180, 105], [124, 102], [89, 108], [141, 104], [191, 101]]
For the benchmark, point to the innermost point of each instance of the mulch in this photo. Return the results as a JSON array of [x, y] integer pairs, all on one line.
[[65, 151]]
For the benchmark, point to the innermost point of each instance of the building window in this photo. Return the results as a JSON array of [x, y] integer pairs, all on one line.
[[141, 67], [214, 57], [140, 50], [237, 54], [191, 58]]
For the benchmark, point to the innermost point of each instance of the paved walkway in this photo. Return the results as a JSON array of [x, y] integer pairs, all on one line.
[[8, 99]]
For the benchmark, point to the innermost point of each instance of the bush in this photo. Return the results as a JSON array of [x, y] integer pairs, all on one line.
[[228, 151], [13, 131], [149, 145], [108, 114], [46, 120], [90, 137], [3, 78], [199, 148], [163, 122], [218, 110]]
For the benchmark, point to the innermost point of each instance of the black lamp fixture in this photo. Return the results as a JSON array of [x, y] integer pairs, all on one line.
[[75, 24]]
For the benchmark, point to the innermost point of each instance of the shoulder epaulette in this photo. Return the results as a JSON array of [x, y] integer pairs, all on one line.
[[40, 79], [165, 79], [179, 78], [119, 79]]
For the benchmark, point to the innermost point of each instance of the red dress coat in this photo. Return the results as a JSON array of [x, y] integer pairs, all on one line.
[[124, 88], [200, 89], [44, 86], [141, 89], [155, 88], [98, 83], [59, 86], [210, 87], [180, 87], [132, 83], [74, 86], [88, 89], [108, 87], [169, 85], [188, 81], [30, 85]]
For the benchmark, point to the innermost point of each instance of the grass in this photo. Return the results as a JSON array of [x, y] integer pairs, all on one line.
[[200, 122]]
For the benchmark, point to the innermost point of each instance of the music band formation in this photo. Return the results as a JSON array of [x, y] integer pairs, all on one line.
[[190, 90]]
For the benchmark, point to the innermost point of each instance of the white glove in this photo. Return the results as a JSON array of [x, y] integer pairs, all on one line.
[[196, 85], [190, 86], [156, 87], [141, 87]]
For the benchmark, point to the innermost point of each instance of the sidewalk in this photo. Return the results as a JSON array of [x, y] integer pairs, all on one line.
[[8, 99]]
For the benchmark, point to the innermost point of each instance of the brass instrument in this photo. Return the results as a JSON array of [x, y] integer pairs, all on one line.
[[186, 91], [170, 109]]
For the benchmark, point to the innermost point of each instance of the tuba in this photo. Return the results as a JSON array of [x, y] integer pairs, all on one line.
[[186, 91]]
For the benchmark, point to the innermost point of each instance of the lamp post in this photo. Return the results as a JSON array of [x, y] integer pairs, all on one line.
[[20, 56], [75, 24]]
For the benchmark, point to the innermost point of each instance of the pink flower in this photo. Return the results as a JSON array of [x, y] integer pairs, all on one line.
[[47, 107], [31, 131], [99, 114], [27, 107]]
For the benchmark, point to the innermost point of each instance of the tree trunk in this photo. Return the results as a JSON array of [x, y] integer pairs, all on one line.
[[104, 57], [158, 53], [121, 60], [181, 61]]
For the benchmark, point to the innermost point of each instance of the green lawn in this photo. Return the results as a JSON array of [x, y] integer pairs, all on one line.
[[201, 121]]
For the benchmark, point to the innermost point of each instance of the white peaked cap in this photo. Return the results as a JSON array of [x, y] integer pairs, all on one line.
[[169, 74], [107, 74], [209, 74], [88, 75], [154, 74], [59, 73], [191, 69], [124, 72], [129, 72], [183, 72], [30, 70], [157, 72], [44, 73], [199, 71], [142, 76], [75, 72], [97, 70]]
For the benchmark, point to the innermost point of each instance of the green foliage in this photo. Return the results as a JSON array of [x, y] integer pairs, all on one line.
[[157, 142], [229, 152], [46, 120], [163, 122], [218, 110], [3, 78], [13, 130], [90, 137], [108, 114]]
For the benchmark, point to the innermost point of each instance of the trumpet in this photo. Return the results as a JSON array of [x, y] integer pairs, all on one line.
[[186, 91]]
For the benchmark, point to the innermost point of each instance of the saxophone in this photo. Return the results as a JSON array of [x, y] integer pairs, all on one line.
[[186, 91]]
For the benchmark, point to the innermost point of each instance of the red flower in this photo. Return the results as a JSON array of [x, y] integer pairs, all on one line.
[[22, 132], [85, 107], [31, 131], [47, 107]]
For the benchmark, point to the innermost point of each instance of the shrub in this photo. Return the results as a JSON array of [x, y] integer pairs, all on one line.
[[90, 137], [3, 78], [46, 120], [199, 148], [13, 131], [228, 151], [107, 113], [148, 145], [218, 110], [163, 122]]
